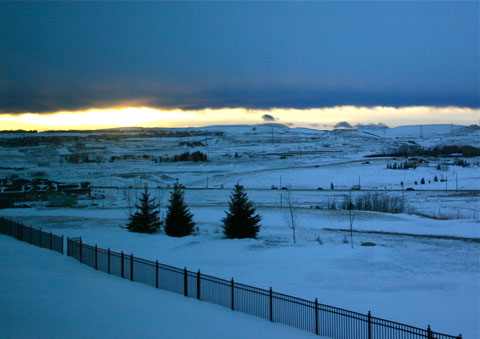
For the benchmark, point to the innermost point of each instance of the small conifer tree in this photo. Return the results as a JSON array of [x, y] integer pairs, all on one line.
[[241, 220], [145, 219], [178, 222]]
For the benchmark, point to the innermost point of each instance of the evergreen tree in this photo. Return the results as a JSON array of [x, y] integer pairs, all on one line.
[[240, 221], [179, 221], [145, 219]]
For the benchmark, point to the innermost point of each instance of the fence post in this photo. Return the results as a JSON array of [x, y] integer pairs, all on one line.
[[131, 267], [108, 259], [19, 232], [62, 243], [156, 274], [123, 265], [271, 304], [185, 282], [459, 336], [429, 332], [316, 316], [50, 240], [31, 231], [369, 325], [233, 299], [40, 237], [198, 285], [96, 257], [81, 251], [68, 245]]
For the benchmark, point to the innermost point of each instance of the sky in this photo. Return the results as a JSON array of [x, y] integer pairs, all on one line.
[[194, 63]]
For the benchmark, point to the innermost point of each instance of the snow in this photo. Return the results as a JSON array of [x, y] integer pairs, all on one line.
[[423, 130], [424, 270], [416, 280], [47, 295]]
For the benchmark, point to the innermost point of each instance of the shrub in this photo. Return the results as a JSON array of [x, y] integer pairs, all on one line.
[[186, 156], [375, 202]]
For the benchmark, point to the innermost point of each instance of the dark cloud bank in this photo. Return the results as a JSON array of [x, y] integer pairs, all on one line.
[[71, 98], [259, 55]]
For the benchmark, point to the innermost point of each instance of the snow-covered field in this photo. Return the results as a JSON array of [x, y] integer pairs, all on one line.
[[424, 269]]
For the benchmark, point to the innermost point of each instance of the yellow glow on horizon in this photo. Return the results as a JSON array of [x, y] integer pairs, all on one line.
[[322, 118], [112, 117]]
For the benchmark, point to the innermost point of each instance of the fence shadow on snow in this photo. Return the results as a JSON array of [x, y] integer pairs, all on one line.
[[304, 314]]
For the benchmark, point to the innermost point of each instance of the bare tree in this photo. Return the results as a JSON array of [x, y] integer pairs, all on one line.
[[351, 217], [129, 201], [291, 216]]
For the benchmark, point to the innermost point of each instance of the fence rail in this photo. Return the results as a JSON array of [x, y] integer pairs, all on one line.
[[304, 314], [32, 235]]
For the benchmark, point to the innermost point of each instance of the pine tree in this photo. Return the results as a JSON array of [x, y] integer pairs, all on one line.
[[179, 221], [240, 221], [145, 219]]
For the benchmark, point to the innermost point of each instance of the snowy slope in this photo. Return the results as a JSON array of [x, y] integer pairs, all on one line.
[[415, 280], [47, 295]]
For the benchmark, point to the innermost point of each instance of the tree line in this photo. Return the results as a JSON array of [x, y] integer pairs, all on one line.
[[405, 150]]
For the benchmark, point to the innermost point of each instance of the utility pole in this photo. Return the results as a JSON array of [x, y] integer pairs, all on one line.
[[456, 182], [403, 194]]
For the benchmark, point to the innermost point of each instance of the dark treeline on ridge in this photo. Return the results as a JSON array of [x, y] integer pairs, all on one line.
[[437, 151]]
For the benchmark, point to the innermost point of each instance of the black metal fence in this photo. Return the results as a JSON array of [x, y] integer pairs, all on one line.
[[308, 315], [304, 314], [32, 235]]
